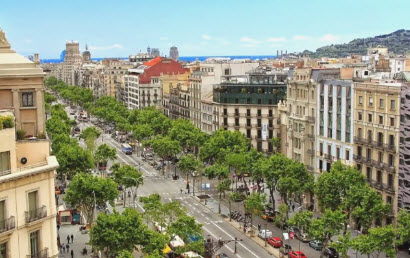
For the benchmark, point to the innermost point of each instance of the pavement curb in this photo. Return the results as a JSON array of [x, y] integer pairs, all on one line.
[[230, 224]]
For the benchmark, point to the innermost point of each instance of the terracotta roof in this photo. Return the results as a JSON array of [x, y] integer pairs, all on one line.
[[161, 67], [154, 61]]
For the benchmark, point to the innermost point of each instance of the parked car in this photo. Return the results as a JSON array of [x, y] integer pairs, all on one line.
[[275, 242], [265, 233], [316, 244], [331, 252], [285, 249], [302, 237], [222, 255], [296, 254]]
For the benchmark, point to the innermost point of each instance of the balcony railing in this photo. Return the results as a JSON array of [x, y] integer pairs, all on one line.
[[376, 184], [389, 188], [367, 161], [7, 224], [390, 147], [310, 136], [310, 152], [309, 168], [36, 214], [361, 140], [328, 156], [40, 254], [388, 168], [378, 144], [357, 159], [311, 119]]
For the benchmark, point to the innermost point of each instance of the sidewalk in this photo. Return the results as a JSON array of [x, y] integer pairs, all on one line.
[[80, 241]]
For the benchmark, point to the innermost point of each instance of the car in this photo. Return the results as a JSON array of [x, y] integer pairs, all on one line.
[[275, 242], [222, 255], [331, 252], [302, 237], [296, 254], [316, 244], [265, 233], [285, 249], [269, 216]]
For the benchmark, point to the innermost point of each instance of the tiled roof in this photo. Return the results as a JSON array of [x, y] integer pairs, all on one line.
[[154, 61], [163, 66]]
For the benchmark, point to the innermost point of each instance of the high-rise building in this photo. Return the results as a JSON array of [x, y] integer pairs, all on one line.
[[173, 53], [27, 171], [72, 60], [155, 52]]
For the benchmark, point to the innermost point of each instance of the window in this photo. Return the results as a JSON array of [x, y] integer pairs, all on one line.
[[321, 148], [27, 98], [2, 216], [259, 134], [390, 180], [248, 133], [259, 122], [227, 71], [381, 103], [370, 102], [34, 243], [370, 118], [270, 113], [270, 123], [225, 121], [390, 160], [338, 153], [360, 100], [4, 161], [368, 173], [379, 177], [3, 250], [392, 104], [248, 112], [360, 116], [391, 121], [236, 121], [236, 112], [248, 122], [225, 112], [347, 157], [380, 120]]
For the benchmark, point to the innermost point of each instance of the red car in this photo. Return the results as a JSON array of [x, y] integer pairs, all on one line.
[[296, 254], [275, 242]]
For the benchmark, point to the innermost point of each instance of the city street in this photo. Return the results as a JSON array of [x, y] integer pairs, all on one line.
[[214, 225]]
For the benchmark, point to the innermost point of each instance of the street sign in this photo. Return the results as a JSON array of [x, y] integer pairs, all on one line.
[[206, 186], [285, 236]]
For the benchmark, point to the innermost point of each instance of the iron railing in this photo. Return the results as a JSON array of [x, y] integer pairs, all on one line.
[[7, 224], [40, 254], [36, 214]]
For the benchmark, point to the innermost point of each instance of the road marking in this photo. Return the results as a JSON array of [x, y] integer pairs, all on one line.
[[233, 238], [227, 247]]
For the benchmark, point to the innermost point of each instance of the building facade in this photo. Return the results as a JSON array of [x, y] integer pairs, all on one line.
[[72, 61], [376, 140], [250, 105], [27, 204], [173, 53]]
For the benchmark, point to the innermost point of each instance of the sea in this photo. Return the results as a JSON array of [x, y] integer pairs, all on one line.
[[181, 58]]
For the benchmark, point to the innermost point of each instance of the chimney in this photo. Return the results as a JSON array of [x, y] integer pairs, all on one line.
[[36, 58]]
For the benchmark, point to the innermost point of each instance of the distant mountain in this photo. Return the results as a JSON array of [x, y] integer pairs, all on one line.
[[398, 42]]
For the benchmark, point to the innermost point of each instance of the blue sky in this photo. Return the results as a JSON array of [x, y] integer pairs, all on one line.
[[197, 27]]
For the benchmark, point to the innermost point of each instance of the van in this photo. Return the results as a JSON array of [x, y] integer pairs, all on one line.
[[265, 233], [126, 148]]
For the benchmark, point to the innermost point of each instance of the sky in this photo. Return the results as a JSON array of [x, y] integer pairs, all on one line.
[[197, 27]]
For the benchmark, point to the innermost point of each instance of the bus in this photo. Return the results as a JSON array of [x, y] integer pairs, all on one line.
[[126, 148]]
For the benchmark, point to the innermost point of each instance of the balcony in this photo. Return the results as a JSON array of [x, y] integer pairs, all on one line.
[[309, 168], [378, 144], [367, 161], [310, 136], [360, 140], [328, 156], [390, 147], [36, 214], [376, 184], [388, 188], [40, 254], [310, 152], [357, 159], [311, 119], [388, 168], [7, 224]]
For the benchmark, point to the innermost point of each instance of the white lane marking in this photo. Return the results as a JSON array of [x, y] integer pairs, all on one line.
[[233, 238]]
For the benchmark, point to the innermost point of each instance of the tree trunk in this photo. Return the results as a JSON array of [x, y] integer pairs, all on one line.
[[219, 203], [273, 199], [230, 210]]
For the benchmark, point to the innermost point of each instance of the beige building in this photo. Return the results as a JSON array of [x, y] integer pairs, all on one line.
[[175, 95], [376, 141], [114, 82], [250, 105], [301, 102], [72, 61], [27, 203]]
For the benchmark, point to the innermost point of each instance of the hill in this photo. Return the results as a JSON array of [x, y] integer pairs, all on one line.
[[398, 42]]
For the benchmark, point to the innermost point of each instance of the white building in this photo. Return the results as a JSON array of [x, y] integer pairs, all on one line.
[[334, 123]]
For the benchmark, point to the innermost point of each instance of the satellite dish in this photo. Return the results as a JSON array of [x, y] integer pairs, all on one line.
[[23, 160]]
